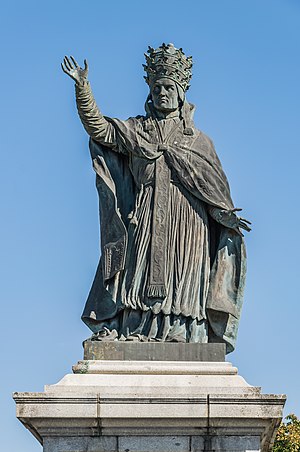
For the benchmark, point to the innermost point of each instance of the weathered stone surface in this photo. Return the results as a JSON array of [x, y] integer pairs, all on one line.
[[154, 368], [126, 406], [153, 351], [152, 444], [233, 443], [81, 444]]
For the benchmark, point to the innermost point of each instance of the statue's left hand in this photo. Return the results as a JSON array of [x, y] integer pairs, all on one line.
[[231, 220]]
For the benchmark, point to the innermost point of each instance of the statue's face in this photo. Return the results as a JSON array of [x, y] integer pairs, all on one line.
[[164, 95]]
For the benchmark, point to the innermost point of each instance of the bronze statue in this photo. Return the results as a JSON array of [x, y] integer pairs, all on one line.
[[173, 260]]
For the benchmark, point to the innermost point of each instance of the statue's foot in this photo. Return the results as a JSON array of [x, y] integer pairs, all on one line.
[[105, 335], [176, 338], [137, 338]]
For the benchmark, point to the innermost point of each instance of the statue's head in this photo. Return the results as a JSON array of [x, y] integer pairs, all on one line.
[[168, 75]]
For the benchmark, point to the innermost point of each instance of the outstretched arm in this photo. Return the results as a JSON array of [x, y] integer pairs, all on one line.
[[230, 219], [93, 121]]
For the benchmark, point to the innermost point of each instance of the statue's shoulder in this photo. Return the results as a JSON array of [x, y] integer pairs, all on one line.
[[206, 145], [131, 120], [131, 123], [141, 125], [127, 128], [204, 139], [136, 119]]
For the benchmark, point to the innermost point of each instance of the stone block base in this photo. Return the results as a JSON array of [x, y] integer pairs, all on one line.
[[153, 351], [152, 444], [151, 406]]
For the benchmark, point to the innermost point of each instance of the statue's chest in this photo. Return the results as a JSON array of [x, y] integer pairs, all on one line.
[[154, 140], [154, 137]]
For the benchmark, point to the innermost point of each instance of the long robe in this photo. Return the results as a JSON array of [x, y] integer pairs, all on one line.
[[168, 270]]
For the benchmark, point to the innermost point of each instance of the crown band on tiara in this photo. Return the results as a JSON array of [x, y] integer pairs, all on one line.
[[167, 61]]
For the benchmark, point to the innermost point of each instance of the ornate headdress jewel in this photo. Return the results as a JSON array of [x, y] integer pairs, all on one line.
[[167, 61]]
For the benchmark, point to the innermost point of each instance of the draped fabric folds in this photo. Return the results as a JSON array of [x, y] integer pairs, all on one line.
[[168, 270]]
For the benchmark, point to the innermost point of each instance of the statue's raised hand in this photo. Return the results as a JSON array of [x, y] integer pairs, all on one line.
[[73, 70]]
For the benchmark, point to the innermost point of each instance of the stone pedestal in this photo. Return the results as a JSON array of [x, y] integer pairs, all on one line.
[[151, 406]]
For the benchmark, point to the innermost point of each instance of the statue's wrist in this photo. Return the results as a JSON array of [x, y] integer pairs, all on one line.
[[225, 217], [229, 219], [82, 83]]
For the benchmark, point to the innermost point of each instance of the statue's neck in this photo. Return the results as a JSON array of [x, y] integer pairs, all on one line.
[[166, 114]]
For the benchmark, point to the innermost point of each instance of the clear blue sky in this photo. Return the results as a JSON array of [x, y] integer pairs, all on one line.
[[246, 86]]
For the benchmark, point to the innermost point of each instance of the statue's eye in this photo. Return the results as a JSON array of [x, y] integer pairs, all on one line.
[[170, 88]]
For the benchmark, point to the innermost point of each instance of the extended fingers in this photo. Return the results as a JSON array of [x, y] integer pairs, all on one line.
[[246, 221], [74, 61], [86, 66], [64, 69], [68, 63], [244, 226], [236, 209]]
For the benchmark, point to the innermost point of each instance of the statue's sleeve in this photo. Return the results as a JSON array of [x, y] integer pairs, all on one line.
[[215, 213], [225, 217], [95, 124]]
